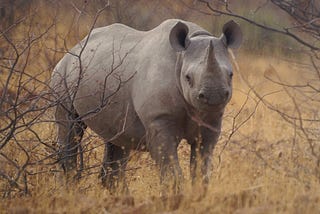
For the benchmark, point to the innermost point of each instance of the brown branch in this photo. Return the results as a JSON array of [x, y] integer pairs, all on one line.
[[285, 31]]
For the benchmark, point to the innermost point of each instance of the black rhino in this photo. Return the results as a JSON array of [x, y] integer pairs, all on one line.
[[146, 90]]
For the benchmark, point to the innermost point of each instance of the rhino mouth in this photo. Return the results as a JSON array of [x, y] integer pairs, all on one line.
[[211, 107], [209, 102], [206, 106], [213, 102]]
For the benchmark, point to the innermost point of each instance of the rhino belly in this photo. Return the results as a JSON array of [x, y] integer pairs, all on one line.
[[116, 120]]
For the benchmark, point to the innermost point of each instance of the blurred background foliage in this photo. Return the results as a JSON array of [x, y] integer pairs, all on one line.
[[72, 18]]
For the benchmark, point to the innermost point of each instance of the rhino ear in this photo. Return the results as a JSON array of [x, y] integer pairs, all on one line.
[[232, 35], [179, 37]]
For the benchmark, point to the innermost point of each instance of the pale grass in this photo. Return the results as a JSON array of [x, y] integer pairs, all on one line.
[[254, 172]]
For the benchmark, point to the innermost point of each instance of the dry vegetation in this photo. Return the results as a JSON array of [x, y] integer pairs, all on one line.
[[267, 159]]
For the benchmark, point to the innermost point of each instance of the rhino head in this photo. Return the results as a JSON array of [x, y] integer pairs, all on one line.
[[203, 67]]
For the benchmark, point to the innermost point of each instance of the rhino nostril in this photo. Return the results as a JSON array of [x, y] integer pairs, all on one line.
[[201, 95], [226, 94]]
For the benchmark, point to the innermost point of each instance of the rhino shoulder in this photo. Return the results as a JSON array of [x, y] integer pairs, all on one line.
[[113, 29]]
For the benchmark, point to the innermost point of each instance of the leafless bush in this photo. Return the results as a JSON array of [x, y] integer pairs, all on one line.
[[26, 100]]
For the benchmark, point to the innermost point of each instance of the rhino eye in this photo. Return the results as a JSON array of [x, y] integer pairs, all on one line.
[[188, 78], [231, 75]]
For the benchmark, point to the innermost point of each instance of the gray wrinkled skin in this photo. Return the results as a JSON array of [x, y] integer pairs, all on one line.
[[146, 91]]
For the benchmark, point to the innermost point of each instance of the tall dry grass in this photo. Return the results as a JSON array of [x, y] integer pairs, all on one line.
[[263, 168]]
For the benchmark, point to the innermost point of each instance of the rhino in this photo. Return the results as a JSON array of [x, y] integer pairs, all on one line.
[[145, 91]]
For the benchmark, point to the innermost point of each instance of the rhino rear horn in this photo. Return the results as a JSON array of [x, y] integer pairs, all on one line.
[[232, 35], [179, 37]]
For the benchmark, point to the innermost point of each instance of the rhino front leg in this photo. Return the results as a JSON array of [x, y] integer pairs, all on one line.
[[113, 168], [163, 142], [70, 133], [201, 156]]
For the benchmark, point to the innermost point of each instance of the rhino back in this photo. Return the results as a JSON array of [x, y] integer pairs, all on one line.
[[94, 57]]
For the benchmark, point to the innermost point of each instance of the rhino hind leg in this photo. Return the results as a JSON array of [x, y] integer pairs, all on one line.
[[113, 167], [70, 133]]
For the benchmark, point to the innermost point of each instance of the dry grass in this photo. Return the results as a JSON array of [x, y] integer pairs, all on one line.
[[263, 168]]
